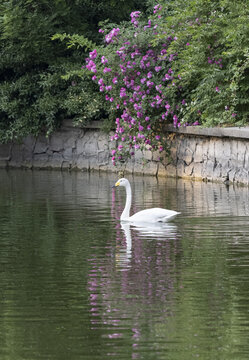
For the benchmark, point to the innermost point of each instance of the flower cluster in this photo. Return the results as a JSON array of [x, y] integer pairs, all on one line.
[[137, 78]]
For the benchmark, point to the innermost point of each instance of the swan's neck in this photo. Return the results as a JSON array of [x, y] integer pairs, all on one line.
[[126, 213]]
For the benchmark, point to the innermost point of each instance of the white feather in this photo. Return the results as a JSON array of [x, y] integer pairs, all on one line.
[[153, 215]]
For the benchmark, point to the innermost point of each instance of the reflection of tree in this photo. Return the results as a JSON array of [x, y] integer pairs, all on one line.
[[46, 232], [123, 290], [72, 280]]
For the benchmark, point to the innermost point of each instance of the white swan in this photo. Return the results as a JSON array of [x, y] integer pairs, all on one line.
[[153, 215]]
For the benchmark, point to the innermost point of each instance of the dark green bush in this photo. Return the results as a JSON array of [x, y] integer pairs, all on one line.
[[35, 94]]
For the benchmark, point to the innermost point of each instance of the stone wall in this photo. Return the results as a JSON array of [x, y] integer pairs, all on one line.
[[216, 154]]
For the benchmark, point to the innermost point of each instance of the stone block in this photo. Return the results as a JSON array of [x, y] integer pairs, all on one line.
[[41, 161], [217, 170], [91, 146], [17, 154], [188, 156], [205, 148], [129, 168], [189, 169], [197, 170], [56, 160], [226, 151], [103, 142], [102, 157], [207, 169], [241, 176], [82, 163], [211, 149], [68, 154], [41, 145], [234, 151], [173, 154], [181, 148], [198, 154], [149, 168], [56, 142], [147, 155], [29, 142], [161, 170], [171, 170], [180, 170], [225, 169], [139, 155], [5, 151], [80, 145], [242, 150], [70, 141]]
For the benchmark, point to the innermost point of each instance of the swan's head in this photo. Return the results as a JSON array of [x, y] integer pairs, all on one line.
[[122, 182]]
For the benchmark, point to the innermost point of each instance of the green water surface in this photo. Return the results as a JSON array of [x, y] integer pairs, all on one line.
[[75, 284]]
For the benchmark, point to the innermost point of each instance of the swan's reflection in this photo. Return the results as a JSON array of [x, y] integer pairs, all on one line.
[[159, 231], [124, 253], [156, 230]]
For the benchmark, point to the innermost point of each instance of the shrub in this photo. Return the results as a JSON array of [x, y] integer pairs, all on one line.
[[137, 79], [212, 58]]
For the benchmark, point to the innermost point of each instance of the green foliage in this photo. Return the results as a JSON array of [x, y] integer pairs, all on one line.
[[41, 81], [212, 50]]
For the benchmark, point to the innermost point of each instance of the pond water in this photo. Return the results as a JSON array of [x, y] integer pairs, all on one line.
[[75, 284]]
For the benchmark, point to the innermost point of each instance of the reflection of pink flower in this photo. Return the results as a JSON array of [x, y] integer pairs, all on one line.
[[115, 336]]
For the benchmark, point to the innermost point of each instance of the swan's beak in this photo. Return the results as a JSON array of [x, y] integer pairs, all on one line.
[[117, 184]]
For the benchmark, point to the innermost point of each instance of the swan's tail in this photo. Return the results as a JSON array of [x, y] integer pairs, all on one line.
[[169, 217]]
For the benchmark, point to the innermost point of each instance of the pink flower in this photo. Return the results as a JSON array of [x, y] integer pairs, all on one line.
[[104, 60], [112, 34], [93, 54], [106, 69]]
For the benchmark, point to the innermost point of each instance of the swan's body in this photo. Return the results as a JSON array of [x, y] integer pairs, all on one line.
[[153, 215]]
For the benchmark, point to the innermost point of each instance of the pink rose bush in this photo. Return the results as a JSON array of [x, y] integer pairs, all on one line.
[[137, 80]]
